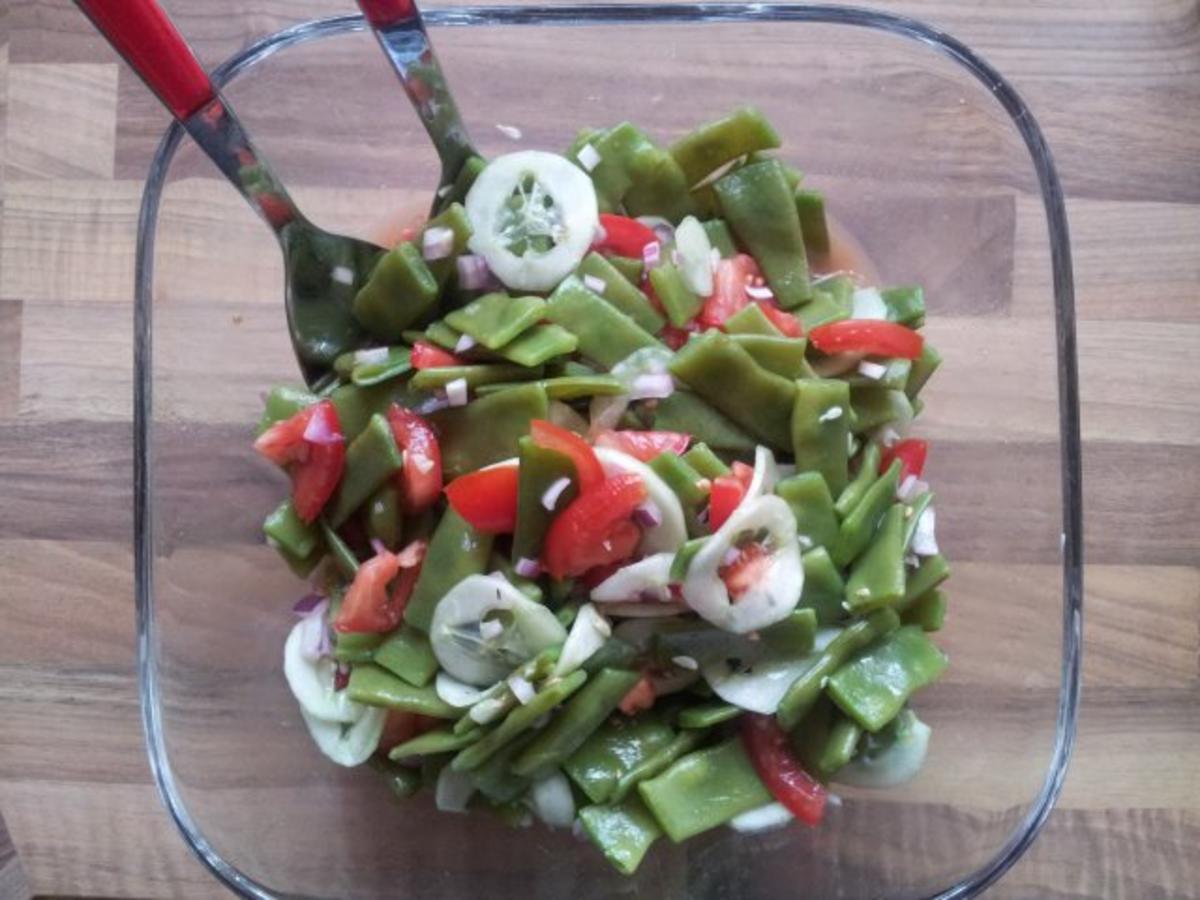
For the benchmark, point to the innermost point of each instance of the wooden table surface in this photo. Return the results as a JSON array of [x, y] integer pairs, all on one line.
[[1116, 87]]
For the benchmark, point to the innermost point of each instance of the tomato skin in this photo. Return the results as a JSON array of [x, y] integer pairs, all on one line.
[[369, 604], [595, 529], [745, 571], [788, 324], [729, 290], [640, 697], [487, 498], [644, 445], [624, 236], [420, 478], [553, 437], [873, 337], [311, 447], [910, 452], [727, 492], [427, 356], [676, 337], [766, 744]]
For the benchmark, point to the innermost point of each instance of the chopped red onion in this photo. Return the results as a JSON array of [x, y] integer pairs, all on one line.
[[465, 342], [317, 431], [378, 546], [342, 275], [307, 604], [731, 556], [315, 643], [872, 370], [654, 386], [420, 462], [456, 392], [588, 156], [685, 662], [652, 254], [924, 542], [437, 242], [757, 292], [550, 497], [662, 228], [521, 689], [431, 405], [341, 676], [528, 568], [412, 555], [868, 303], [473, 272], [888, 436], [594, 283], [905, 491], [804, 541], [648, 515]]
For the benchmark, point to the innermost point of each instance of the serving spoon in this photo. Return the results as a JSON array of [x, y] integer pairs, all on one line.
[[322, 270]]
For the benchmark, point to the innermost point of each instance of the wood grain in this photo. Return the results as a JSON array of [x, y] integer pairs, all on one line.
[[1115, 87]]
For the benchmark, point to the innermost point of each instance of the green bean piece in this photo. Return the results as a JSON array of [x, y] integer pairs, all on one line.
[[830, 302], [932, 571], [377, 686], [704, 461], [489, 373], [466, 177], [632, 269], [702, 643], [283, 403], [804, 690], [538, 345], [496, 780], [872, 687], [810, 206], [840, 746], [623, 832], [877, 578], [712, 145], [760, 207], [703, 790], [912, 515], [539, 468], [923, 368], [808, 496], [355, 404], [343, 556], [860, 523], [432, 743], [820, 425], [606, 335], [618, 148], [613, 749], [619, 292], [519, 721], [288, 533], [894, 377], [708, 715], [811, 735], [867, 474], [686, 483], [782, 355], [582, 716], [683, 558], [456, 551], [486, 430], [371, 459], [674, 294], [660, 187], [824, 590], [384, 519], [569, 387], [355, 646], [874, 407], [686, 412], [495, 319], [927, 612], [794, 635], [905, 304], [455, 218], [396, 364], [751, 319], [406, 652], [720, 237], [729, 378], [658, 762], [399, 292], [441, 334], [402, 781]]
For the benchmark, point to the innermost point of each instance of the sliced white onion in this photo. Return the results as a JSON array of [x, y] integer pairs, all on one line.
[[456, 693], [437, 243], [694, 250], [312, 681], [896, 763], [370, 356], [645, 581], [595, 283], [761, 818], [551, 494], [660, 226], [887, 436], [453, 790], [646, 361], [759, 292], [867, 303], [605, 412], [872, 370], [564, 416], [652, 387], [456, 392], [766, 474], [553, 801], [647, 515], [488, 710], [473, 272], [671, 532], [759, 687], [924, 542], [588, 156], [589, 631], [465, 342], [521, 688], [347, 745]]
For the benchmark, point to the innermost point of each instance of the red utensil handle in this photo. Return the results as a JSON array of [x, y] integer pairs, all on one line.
[[382, 13], [141, 32]]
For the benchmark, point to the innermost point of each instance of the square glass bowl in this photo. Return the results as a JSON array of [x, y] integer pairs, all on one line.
[[926, 156]]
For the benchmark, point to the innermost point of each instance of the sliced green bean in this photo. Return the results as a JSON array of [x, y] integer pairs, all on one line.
[[605, 334], [819, 429], [456, 550], [371, 459], [812, 505], [376, 686], [872, 687], [406, 652], [618, 291], [859, 525], [877, 578]]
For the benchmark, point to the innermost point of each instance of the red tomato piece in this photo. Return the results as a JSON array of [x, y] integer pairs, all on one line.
[[644, 445], [554, 437], [427, 356], [421, 476], [402, 726], [767, 746], [641, 696], [311, 447], [675, 337], [746, 571], [595, 529], [368, 605], [624, 236], [729, 290], [727, 492], [788, 324], [871, 336], [487, 498], [910, 452]]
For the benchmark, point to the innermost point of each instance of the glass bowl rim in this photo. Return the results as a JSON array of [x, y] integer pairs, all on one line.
[[635, 14]]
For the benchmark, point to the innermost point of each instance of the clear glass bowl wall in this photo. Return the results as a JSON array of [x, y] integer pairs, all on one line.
[[920, 161]]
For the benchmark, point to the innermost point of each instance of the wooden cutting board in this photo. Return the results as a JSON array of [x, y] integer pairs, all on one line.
[[1115, 86]]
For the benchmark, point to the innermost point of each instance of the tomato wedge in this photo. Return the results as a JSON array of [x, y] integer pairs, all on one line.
[[871, 336], [554, 437], [427, 356], [644, 445], [311, 447], [487, 498], [369, 605], [639, 697], [595, 529], [421, 476], [727, 492], [729, 290], [624, 236], [766, 744], [788, 324], [911, 454]]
